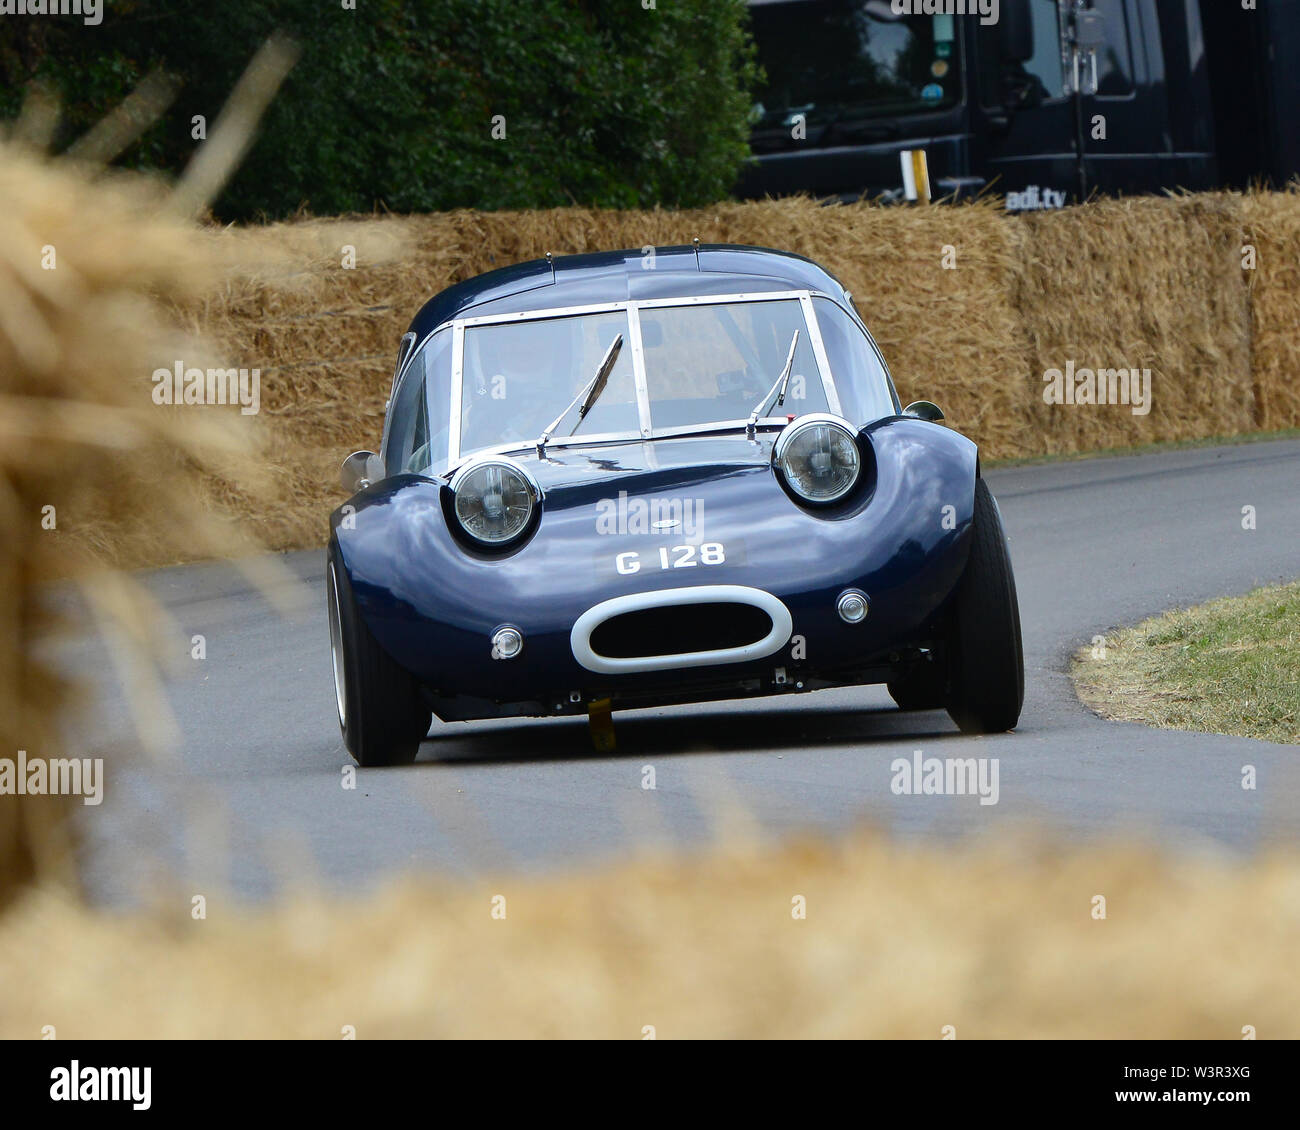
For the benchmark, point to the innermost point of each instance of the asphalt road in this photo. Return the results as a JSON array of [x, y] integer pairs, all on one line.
[[254, 796]]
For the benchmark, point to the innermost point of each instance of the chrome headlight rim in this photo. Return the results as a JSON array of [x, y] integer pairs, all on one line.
[[788, 435], [532, 489]]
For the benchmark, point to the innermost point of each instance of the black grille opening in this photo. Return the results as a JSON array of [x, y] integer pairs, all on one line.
[[680, 628]]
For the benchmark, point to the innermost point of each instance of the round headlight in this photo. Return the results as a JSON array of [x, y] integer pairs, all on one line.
[[818, 457], [494, 501]]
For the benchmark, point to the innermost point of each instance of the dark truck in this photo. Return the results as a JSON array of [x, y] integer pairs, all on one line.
[[1045, 101]]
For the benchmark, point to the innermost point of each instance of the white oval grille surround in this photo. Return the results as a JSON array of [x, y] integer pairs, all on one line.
[[580, 636]]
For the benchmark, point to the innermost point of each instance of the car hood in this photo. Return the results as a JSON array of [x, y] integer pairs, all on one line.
[[571, 474]]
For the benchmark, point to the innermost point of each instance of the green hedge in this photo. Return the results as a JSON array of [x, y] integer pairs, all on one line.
[[605, 102]]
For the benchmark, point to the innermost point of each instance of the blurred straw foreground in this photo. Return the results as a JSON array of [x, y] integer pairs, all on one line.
[[95, 269], [997, 940], [994, 939], [86, 457]]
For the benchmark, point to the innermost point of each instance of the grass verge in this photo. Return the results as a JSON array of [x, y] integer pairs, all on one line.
[[1231, 666]]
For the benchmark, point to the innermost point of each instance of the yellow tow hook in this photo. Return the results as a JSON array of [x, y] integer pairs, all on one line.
[[600, 723]]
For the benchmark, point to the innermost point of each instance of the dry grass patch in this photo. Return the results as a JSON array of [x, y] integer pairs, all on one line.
[[1228, 667]]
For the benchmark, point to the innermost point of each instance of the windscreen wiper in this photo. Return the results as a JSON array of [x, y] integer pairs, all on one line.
[[782, 382], [589, 395]]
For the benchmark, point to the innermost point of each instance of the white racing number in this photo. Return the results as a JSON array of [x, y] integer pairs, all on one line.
[[672, 557]]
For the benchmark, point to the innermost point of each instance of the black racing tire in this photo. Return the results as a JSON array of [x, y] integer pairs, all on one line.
[[379, 708], [987, 674], [925, 687]]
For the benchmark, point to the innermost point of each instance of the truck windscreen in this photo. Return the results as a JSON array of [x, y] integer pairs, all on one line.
[[836, 71]]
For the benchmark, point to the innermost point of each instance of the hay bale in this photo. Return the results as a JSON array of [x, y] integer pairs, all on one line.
[[1144, 283], [1138, 283], [1272, 223]]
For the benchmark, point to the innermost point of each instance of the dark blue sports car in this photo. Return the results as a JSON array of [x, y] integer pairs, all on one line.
[[636, 478]]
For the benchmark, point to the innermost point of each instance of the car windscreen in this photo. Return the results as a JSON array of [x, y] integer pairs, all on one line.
[[518, 376], [714, 362], [705, 363], [418, 433], [860, 377]]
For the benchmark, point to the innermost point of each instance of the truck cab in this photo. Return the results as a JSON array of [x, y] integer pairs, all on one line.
[[1042, 101]]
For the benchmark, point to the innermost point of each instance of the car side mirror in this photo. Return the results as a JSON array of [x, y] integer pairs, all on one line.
[[924, 410], [359, 470]]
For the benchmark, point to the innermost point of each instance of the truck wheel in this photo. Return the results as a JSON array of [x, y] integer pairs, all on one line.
[[988, 668], [922, 688], [380, 713]]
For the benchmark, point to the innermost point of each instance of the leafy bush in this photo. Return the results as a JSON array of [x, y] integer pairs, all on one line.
[[392, 105]]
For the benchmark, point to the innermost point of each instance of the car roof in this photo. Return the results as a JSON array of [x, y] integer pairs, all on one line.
[[615, 276]]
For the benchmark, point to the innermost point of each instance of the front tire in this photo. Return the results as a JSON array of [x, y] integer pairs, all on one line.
[[379, 708], [987, 687]]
